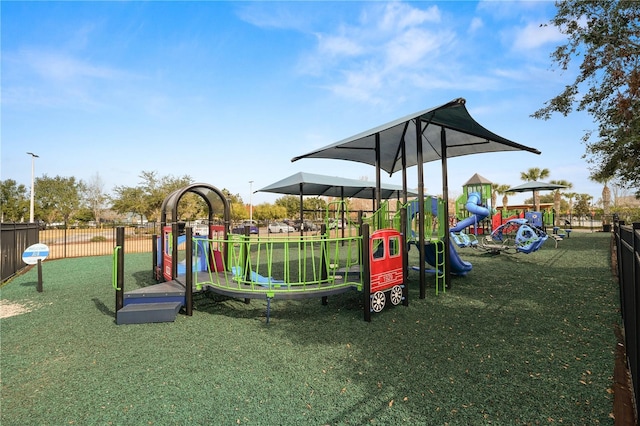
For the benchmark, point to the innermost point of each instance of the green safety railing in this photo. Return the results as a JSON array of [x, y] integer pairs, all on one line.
[[114, 278], [273, 264], [384, 217]]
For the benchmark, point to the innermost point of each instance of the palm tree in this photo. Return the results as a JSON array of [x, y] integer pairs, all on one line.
[[533, 174], [502, 190], [494, 194], [557, 195], [606, 199], [570, 196]]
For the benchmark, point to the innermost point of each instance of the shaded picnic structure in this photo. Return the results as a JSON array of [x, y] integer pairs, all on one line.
[[535, 186], [310, 184], [433, 134]]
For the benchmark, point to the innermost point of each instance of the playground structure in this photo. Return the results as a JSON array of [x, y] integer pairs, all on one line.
[[296, 267], [519, 234], [476, 194], [434, 134], [515, 236], [478, 214], [246, 267], [433, 247]]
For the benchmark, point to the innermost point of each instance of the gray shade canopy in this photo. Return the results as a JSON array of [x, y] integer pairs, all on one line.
[[303, 183], [464, 136], [433, 134], [535, 186]]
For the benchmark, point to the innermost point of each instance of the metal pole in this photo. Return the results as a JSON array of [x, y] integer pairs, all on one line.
[[39, 285], [366, 273], [33, 157], [421, 236], [189, 277], [119, 268], [445, 195], [301, 209], [251, 201]]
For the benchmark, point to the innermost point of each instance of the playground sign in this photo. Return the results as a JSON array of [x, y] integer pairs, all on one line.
[[34, 253]]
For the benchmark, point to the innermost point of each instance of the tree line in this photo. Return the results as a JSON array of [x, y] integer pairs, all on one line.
[[69, 200]]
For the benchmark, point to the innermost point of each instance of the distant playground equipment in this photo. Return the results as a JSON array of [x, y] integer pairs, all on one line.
[[242, 266], [523, 233], [517, 235], [476, 193], [513, 235], [478, 213]]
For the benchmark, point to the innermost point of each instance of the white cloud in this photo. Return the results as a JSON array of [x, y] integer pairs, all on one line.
[[391, 44], [59, 66], [412, 47], [399, 16], [48, 78], [533, 35], [475, 25], [338, 45], [272, 16]]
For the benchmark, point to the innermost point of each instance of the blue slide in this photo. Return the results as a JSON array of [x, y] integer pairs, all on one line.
[[458, 266], [478, 213]]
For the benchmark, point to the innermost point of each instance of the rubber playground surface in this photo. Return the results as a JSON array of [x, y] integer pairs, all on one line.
[[522, 339]]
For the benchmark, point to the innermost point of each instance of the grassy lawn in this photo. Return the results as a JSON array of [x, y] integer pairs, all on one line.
[[523, 339]]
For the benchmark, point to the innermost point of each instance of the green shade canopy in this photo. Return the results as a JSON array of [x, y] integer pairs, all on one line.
[[464, 136], [303, 183]]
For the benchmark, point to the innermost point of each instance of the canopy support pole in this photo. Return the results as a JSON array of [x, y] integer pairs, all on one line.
[[445, 195], [421, 239], [301, 213], [378, 183], [404, 226]]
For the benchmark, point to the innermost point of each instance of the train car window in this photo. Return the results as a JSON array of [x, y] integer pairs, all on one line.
[[378, 248]]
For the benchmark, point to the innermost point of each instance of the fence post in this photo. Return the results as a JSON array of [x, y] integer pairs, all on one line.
[[635, 273], [618, 241]]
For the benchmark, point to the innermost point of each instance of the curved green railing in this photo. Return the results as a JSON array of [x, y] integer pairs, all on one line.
[[292, 263]]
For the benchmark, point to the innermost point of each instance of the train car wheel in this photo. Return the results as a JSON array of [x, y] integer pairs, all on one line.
[[395, 295], [377, 301]]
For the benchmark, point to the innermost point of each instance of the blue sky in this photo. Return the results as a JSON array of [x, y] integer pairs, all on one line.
[[229, 92]]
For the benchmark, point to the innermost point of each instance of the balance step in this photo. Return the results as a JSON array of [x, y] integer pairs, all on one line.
[[142, 313]]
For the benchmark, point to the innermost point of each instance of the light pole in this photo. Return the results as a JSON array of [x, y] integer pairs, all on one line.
[[33, 158], [251, 201]]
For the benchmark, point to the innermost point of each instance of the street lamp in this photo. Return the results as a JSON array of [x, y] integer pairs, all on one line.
[[250, 201], [33, 158]]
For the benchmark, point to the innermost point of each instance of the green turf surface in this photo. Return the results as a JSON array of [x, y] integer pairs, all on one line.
[[523, 339]]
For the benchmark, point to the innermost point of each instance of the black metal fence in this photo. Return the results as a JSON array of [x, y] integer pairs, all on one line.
[[627, 239], [14, 239], [67, 242], [82, 242]]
